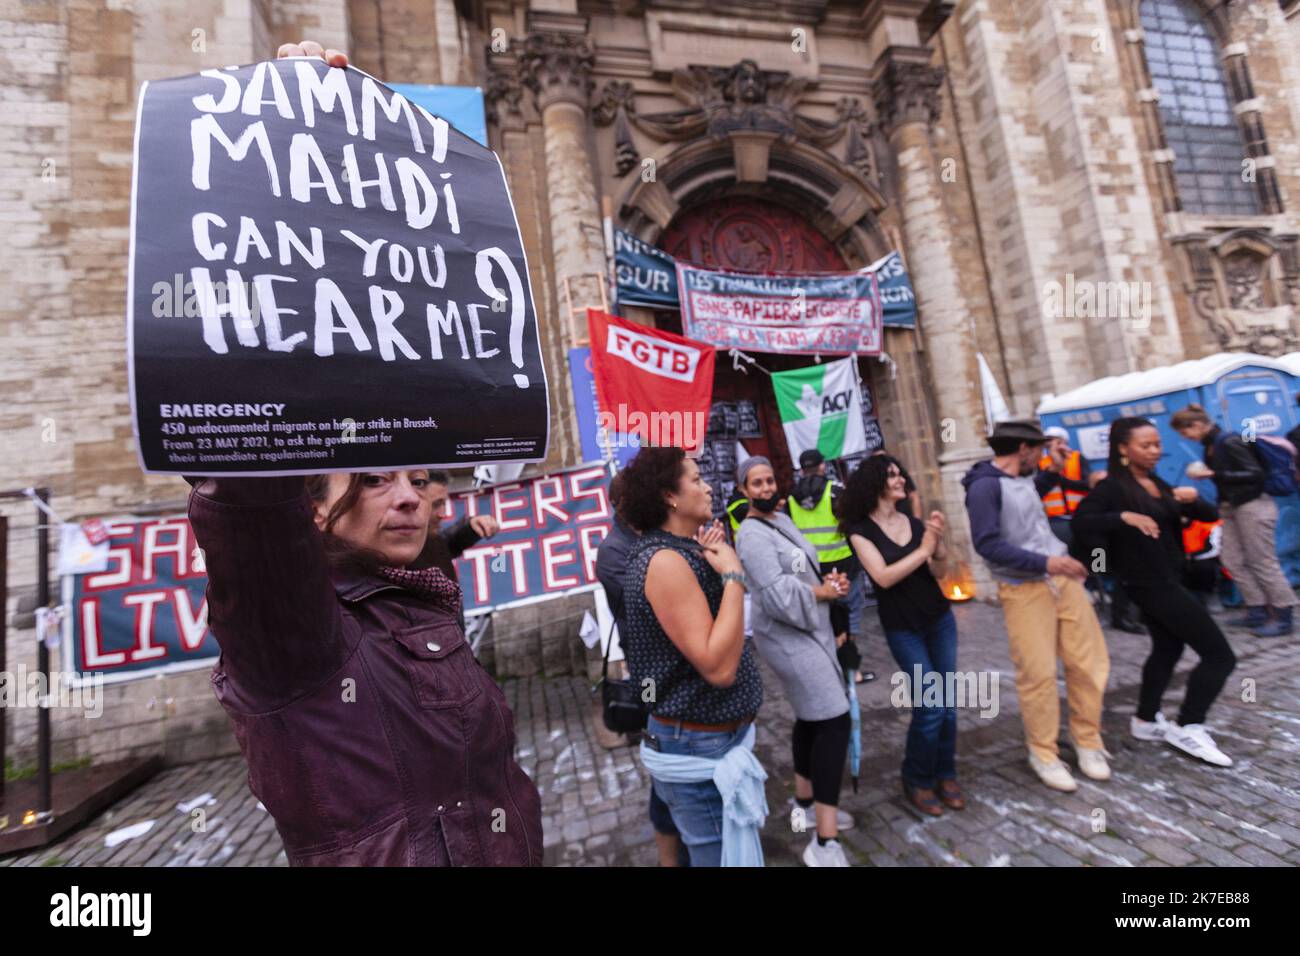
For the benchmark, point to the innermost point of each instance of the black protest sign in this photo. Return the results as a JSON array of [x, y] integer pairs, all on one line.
[[749, 425], [324, 276]]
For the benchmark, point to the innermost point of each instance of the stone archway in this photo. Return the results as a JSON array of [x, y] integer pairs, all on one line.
[[838, 207], [834, 199], [746, 233], [743, 158], [838, 202], [741, 133]]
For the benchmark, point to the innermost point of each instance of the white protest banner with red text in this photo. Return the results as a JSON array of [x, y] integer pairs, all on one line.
[[652, 384], [820, 314]]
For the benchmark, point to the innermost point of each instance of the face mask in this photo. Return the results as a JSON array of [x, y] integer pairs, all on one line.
[[766, 505]]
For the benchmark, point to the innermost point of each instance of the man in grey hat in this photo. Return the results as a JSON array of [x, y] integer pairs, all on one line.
[[1047, 610]]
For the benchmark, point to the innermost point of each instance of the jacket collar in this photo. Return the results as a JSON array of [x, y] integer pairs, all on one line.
[[353, 585]]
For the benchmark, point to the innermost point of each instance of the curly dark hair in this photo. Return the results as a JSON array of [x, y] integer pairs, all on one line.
[[653, 473], [616, 490], [864, 489]]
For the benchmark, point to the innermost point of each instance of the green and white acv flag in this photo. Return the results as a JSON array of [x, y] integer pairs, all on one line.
[[821, 407]]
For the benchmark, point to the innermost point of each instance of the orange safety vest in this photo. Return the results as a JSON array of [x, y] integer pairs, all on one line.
[[1058, 505], [1197, 535]]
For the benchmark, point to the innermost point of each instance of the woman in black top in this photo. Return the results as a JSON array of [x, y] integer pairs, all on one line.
[[683, 596], [1137, 518], [896, 550]]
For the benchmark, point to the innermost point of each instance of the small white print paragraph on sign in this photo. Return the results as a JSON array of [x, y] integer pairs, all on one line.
[[202, 433]]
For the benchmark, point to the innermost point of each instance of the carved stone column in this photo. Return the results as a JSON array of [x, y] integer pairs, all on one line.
[[555, 64], [557, 68], [907, 95]]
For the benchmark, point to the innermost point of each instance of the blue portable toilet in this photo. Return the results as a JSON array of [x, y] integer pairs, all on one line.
[[1232, 386]]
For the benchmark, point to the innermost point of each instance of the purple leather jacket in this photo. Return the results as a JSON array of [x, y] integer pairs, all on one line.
[[372, 734]]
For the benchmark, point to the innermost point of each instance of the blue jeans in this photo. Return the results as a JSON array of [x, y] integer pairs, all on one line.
[[661, 819], [696, 808], [931, 753]]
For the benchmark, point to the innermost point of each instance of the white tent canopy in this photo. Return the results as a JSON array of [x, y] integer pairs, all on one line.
[[1159, 381]]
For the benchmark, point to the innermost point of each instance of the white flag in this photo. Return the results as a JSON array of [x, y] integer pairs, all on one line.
[[995, 407]]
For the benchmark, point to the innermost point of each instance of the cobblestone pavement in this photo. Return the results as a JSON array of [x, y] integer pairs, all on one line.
[[1161, 808]]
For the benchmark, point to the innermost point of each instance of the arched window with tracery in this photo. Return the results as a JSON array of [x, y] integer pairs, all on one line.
[[1196, 114]]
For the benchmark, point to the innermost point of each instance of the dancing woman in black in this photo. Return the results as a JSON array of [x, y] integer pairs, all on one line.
[[1138, 519]]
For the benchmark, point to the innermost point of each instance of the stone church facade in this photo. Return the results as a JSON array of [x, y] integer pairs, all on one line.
[[1079, 188]]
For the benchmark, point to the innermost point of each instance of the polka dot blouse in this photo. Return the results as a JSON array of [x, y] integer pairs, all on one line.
[[680, 692]]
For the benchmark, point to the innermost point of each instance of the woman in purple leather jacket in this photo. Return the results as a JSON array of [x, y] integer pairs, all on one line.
[[372, 734]]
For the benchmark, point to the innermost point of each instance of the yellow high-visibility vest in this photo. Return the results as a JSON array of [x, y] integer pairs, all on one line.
[[821, 528], [731, 515]]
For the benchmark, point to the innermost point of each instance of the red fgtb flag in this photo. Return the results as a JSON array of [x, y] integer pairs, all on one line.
[[652, 384]]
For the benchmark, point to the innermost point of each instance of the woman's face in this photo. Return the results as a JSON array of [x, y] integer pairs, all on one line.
[[1195, 431], [760, 482], [895, 485], [391, 515], [1142, 447], [694, 497]]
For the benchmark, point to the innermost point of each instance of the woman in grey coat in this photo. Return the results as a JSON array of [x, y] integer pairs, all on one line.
[[790, 616]]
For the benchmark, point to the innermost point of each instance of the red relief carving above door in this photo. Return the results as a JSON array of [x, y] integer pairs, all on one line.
[[748, 235]]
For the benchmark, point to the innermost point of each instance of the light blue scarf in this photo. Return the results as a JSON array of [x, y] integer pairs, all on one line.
[[739, 778]]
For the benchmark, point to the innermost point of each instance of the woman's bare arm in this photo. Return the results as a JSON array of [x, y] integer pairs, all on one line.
[[713, 646]]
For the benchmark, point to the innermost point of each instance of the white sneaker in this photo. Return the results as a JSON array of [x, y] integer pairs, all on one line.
[[1092, 763], [1056, 774], [1149, 729], [832, 854], [1196, 740], [842, 820]]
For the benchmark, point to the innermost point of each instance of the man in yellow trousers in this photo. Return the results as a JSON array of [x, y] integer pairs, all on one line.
[[1048, 614]]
